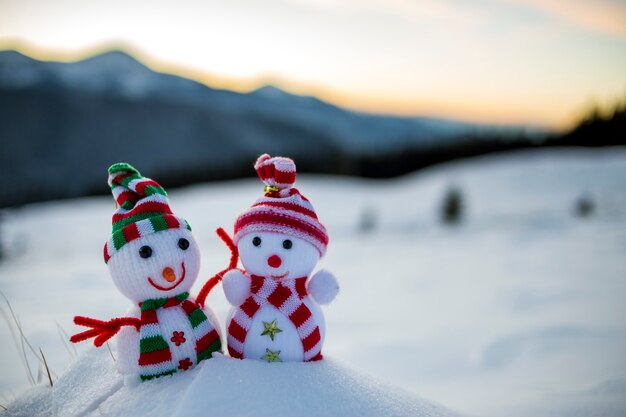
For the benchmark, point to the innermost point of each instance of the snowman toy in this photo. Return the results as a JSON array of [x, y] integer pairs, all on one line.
[[154, 260], [276, 315]]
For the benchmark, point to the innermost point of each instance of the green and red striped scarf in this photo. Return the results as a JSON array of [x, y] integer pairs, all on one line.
[[155, 358]]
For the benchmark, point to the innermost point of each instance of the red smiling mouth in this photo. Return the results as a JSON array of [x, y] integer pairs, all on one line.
[[160, 288], [277, 277]]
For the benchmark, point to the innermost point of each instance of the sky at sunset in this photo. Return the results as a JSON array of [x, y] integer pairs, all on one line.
[[540, 62]]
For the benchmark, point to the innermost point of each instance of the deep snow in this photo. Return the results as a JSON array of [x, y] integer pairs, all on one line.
[[222, 386], [518, 311]]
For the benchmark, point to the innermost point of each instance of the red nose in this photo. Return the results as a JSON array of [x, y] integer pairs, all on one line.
[[274, 261]]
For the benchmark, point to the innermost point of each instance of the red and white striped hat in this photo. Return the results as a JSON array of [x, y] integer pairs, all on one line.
[[282, 209]]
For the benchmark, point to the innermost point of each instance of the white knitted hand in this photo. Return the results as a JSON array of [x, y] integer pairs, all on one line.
[[127, 342], [323, 287], [236, 287]]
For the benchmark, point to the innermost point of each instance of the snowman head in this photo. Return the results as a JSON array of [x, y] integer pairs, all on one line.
[[157, 265], [277, 255], [280, 236], [152, 253]]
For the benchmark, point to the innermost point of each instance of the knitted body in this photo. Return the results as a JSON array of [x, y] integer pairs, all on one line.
[[280, 241], [172, 338], [297, 320]]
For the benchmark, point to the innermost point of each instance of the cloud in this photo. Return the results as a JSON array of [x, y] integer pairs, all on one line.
[[600, 16]]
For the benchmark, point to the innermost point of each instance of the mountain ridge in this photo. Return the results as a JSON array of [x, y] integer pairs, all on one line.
[[61, 117]]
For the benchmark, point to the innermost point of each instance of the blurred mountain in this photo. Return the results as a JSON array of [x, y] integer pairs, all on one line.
[[63, 124]]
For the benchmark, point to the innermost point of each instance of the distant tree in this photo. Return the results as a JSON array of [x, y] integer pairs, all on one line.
[[598, 128], [584, 207], [451, 211]]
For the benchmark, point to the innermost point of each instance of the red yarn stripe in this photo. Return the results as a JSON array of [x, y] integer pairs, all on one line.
[[147, 207], [236, 331], [125, 196], [106, 253], [283, 220], [299, 316], [206, 340], [152, 358], [265, 171], [172, 222], [283, 177], [119, 178], [301, 287], [256, 282], [188, 306], [149, 317], [215, 279], [141, 186], [235, 354], [171, 302], [289, 206], [279, 296], [130, 232], [250, 307], [311, 340]]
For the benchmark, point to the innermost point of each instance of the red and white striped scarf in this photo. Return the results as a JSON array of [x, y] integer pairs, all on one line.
[[287, 297]]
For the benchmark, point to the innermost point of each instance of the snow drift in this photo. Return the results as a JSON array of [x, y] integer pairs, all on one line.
[[221, 386]]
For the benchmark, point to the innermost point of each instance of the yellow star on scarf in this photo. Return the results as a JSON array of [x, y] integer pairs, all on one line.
[[270, 329], [271, 356]]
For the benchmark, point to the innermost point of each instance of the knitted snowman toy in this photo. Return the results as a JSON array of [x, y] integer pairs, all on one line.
[[280, 240], [154, 260]]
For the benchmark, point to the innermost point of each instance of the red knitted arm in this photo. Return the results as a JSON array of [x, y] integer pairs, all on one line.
[[102, 330], [215, 279]]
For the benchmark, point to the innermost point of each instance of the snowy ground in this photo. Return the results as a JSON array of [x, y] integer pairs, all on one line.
[[518, 311]]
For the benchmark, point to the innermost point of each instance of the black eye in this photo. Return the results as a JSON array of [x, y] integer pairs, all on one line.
[[256, 241], [145, 251], [287, 244], [183, 243]]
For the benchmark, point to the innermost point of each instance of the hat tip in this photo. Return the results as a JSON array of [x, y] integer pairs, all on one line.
[[122, 167], [277, 172]]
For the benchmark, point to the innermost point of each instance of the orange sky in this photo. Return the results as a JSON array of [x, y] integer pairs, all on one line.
[[503, 61]]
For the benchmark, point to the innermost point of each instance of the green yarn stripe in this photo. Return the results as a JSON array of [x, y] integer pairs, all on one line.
[[182, 296], [155, 303], [197, 317], [118, 239], [152, 344], [124, 183], [122, 167], [206, 353], [158, 223], [134, 218], [151, 190], [127, 205]]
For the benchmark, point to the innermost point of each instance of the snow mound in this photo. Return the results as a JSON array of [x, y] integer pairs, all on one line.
[[230, 387], [221, 386], [35, 402], [86, 384]]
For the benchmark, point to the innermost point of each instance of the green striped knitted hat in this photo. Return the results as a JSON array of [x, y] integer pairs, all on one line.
[[143, 208]]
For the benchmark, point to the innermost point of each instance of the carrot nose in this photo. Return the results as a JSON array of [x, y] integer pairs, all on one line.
[[169, 274]]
